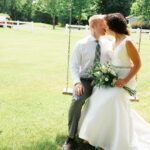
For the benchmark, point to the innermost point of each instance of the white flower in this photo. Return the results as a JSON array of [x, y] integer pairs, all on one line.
[[113, 72], [106, 79], [97, 73], [104, 69]]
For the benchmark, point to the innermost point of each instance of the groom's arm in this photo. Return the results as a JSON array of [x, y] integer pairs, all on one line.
[[75, 64], [75, 70]]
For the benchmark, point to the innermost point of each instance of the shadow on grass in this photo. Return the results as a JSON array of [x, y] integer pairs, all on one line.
[[60, 139]]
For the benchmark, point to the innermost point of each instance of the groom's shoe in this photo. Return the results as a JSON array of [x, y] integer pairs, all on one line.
[[69, 144], [99, 148]]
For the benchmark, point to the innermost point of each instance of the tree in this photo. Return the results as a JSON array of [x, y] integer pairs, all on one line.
[[111, 6], [60, 9], [27, 10], [64, 10], [16, 9], [141, 8], [4, 6], [81, 10], [50, 7]]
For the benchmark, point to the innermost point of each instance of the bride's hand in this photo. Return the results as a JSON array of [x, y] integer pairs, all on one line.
[[120, 83]]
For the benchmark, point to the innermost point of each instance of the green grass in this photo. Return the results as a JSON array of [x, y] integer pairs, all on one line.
[[33, 111]]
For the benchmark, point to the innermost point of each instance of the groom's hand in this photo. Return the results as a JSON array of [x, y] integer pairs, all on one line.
[[79, 89]]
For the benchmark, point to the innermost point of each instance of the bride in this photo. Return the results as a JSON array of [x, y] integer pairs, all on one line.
[[107, 120]]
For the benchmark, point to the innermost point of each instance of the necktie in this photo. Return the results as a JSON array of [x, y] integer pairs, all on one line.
[[97, 52]]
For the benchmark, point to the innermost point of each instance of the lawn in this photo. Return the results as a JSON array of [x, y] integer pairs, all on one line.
[[33, 111]]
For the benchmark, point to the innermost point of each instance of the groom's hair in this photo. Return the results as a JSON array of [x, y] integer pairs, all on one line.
[[95, 20]]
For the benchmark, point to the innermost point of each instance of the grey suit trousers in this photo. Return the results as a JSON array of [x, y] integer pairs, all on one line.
[[76, 106]]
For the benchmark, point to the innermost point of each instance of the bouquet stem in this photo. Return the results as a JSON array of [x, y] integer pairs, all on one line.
[[130, 91]]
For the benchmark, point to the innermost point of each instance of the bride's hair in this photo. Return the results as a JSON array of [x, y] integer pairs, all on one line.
[[117, 23]]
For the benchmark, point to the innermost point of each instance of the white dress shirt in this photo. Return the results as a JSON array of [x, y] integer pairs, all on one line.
[[83, 56]]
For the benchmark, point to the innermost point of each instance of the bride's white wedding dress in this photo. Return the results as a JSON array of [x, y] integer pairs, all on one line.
[[107, 119]]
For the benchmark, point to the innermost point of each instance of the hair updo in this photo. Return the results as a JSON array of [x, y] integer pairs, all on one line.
[[117, 23]]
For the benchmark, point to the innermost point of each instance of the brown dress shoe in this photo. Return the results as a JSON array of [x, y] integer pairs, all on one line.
[[69, 144], [100, 148]]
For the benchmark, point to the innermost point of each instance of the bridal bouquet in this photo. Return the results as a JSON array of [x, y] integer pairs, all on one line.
[[106, 76]]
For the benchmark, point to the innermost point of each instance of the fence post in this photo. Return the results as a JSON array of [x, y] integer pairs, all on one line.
[[138, 32], [5, 24], [86, 27], [32, 26], [66, 27], [139, 41], [17, 24]]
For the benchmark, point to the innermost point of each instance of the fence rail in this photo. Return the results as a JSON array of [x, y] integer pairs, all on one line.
[[79, 27], [17, 24], [86, 27], [142, 30]]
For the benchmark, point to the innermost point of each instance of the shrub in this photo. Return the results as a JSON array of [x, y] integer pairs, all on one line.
[[140, 24]]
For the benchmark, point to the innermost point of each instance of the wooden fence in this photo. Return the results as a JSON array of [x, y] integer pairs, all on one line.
[[86, 28], [17, 24]]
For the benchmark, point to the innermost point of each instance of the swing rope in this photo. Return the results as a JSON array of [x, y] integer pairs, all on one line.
[[135, 98], [67, 90], [69, 42]]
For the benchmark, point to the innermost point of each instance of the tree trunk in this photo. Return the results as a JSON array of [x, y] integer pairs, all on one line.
[[54, 20], [4, 7], [79, 18]]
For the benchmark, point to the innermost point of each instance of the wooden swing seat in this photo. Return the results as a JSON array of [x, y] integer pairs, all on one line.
[[69, 91]]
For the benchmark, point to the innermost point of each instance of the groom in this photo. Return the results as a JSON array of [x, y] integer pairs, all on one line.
[[86, 52]]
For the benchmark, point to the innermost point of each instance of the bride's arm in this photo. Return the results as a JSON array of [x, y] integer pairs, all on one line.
[[135, 58]]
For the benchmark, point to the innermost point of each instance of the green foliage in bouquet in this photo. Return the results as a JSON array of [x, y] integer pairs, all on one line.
[[106, 76], [103, 75]]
